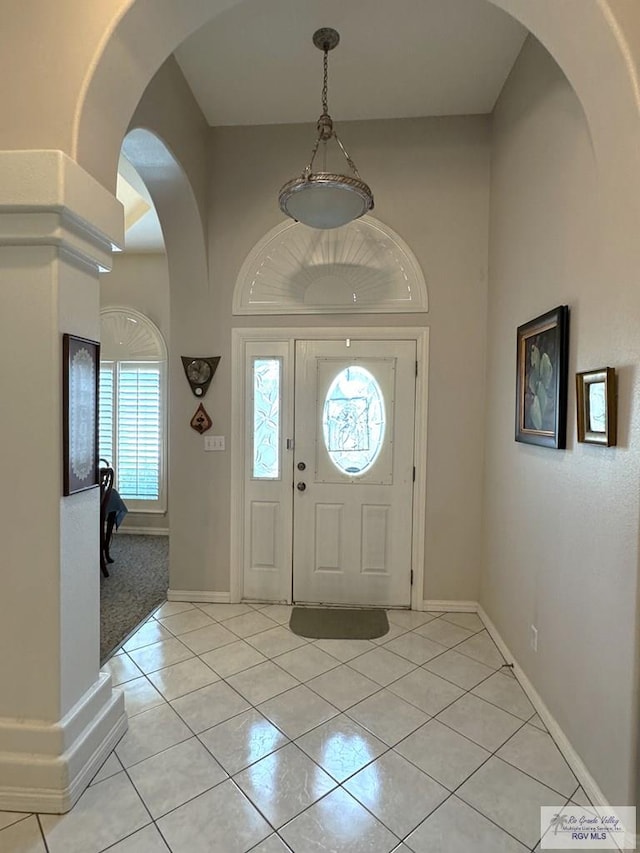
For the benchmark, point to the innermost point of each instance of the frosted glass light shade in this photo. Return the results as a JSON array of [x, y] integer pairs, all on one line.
[[325, 200]]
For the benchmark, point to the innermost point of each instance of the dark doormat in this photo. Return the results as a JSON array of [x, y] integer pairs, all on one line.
[[338, 623]]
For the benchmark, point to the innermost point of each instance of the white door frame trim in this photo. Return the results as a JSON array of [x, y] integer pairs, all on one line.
[[241, 336]]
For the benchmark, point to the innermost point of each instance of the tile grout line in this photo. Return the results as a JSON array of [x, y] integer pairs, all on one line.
[[383, 687], [276, 624], [281, 693], [289, 742], [433, 717], [389, 748], [44, 838], [293, 741], [392, 748]]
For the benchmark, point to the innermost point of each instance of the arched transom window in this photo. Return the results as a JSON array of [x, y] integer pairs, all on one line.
[[362, 267]]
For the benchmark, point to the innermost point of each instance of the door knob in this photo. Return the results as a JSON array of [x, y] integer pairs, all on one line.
[[301, 487]]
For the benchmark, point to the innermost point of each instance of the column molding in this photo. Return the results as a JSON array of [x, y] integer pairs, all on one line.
[[45, 767], [59, 716], [49, 200]]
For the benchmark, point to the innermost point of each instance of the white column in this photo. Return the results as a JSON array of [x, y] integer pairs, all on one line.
[[59, 716]]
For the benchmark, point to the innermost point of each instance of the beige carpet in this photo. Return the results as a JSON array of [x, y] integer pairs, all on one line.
[[137, 584]]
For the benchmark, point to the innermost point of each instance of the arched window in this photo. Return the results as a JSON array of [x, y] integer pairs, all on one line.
[[363, 267], [133, 370]]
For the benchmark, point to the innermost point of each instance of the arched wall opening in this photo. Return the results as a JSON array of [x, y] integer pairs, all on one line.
[[138, 282], [114, 84], [186, 255], [610, 104], [87, 100]]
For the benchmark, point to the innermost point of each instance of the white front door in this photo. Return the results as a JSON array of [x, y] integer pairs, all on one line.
[[353, 472]]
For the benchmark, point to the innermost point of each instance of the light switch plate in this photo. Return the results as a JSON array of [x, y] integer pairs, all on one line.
[[214, 442]]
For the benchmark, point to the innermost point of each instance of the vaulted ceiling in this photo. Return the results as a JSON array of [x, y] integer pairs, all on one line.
[[256, 63]]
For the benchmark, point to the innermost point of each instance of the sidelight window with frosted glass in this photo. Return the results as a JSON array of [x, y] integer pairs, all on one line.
[[267, 392]]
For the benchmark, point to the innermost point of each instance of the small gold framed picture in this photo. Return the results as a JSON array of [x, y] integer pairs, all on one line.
[[596, 400]]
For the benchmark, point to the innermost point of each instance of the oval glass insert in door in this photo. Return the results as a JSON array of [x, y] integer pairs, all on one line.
[[353, 420]]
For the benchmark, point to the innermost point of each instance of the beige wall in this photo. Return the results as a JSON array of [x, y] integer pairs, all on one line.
[[561, 525], [168, 124], [545, 558], [169, 110], [430, 179], [77, 70], [140, 281]]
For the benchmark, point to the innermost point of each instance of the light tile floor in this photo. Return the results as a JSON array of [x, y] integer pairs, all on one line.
[[244, 737]]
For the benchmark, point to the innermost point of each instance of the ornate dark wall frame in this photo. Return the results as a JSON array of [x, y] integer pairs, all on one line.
[[199, 371], [541, 379], [80, 384]]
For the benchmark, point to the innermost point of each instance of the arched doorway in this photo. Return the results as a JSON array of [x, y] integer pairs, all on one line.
[[183, 232], [104, 84], [610, 107]]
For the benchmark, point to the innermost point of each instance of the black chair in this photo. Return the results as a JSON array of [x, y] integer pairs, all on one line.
[[107, 476]]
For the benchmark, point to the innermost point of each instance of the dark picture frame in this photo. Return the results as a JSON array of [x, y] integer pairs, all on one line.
[[596, 406], [542, 378], [80, 382]]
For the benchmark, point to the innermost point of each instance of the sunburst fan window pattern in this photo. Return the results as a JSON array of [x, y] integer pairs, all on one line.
[[132, 407], [267, 373], [361, 267]]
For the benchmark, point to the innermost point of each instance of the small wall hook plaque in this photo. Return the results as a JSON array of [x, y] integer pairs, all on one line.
[[199, 371], [201, 421]]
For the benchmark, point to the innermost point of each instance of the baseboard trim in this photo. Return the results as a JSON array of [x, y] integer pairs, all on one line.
[[50, 775], [198, 596], [144, 531], [441, 605], [563, 743]]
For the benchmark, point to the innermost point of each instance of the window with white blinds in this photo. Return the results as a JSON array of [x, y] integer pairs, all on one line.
[[132, 416], [139, 431], [106, 438]]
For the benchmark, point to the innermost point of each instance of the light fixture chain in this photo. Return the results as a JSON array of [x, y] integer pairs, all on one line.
[[352, 165], [326, 199], [309, 168], [325, 82]]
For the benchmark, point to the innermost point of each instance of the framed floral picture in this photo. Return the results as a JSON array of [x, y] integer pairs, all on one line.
[[596, 406], [541, 379], [80, 376]]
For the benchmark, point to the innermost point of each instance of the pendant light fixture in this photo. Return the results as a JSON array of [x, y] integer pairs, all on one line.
[[326, 199]]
